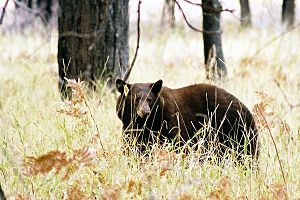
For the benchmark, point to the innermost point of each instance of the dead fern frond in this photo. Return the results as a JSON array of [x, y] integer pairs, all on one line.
[[77, 91], [263, 109], [265, 103], [21, 197], [164, 157], [278, 191], [70, 170], [74, 192], [134, 186], [45, 163], [83, 156], [222, 189], [185, 197], [165, 160], [75, 112], [56, 160], [78, 96], [112, 193], [79, 159]]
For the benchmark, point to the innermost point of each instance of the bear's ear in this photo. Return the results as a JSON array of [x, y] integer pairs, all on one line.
[[156, 87], [120, 85]]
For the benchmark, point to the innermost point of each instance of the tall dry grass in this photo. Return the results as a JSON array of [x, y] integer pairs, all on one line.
[[53, 150]]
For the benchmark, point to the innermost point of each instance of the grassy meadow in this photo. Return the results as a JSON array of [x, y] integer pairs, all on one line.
[[84, 139]]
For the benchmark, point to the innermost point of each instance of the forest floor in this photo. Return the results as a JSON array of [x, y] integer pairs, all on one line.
[[81, 143]]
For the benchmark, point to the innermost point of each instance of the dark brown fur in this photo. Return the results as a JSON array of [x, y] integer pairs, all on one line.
[[178, 114]]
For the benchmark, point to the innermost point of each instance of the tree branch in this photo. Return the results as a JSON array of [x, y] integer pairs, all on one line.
[[292, 106], [209, 7], [275, 38], [195, 4], [3, 11], [185, 19], [127, 73], [190, 25]]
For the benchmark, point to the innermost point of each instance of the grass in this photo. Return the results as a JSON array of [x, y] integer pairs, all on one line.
[[30, 124]]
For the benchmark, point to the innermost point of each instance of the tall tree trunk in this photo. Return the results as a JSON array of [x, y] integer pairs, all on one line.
[[288, 13], [213, 53], [2, 196], [168, 16], [29, 4], [93, 40], [245, 13], [45, 7]]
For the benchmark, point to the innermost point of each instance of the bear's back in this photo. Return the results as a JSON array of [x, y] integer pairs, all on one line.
[[200, 98], [199, 103]]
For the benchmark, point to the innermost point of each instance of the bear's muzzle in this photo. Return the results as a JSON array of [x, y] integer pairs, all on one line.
[[143, 110]]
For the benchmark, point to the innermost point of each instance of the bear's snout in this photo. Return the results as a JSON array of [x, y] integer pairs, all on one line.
[[143, 110]]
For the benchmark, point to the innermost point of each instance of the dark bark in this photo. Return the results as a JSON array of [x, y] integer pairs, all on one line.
[[288, 13], [213, 53], [168, 16], [45, 7], [93, 40], [29, 3], [2, 196], [245, 13]]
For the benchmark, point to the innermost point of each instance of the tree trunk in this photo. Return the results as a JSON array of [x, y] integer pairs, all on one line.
[[288, 13], [29, 4], [245, 13], [45, 7], [168, 16], [2, 196], [213, 53], [93, 40]]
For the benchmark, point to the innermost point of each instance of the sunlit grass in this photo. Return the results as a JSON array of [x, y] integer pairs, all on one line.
[[31, 126]]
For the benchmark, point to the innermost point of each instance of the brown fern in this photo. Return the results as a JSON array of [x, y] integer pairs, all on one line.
[[45, 163], [75, 192], [56, 160], [77, 91], [72, 108], [222, 189]]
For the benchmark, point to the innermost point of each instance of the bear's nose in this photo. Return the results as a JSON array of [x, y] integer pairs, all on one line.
[[143, 111]]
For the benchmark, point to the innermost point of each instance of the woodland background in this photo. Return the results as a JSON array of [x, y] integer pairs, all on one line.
[[53, 149]]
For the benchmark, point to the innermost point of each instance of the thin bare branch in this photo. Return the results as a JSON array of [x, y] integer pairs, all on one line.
[[185, 19], [127, 73], [98, 131], [209, 8], [275, 146], [275, 38], [3, 11], [195, 4], [191, 26], [292, 106], [29, 10]]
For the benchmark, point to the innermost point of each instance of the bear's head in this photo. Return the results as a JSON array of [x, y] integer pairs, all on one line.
[[136, 100]]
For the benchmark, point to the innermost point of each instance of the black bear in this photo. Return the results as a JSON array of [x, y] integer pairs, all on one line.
[[151, 113]]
